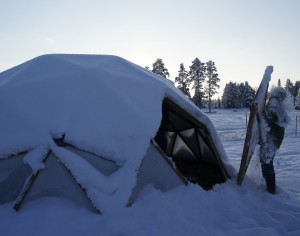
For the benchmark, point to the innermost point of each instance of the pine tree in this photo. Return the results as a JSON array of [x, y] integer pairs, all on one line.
[[183, 81], [197, 76], [212, 81], [159, 68]]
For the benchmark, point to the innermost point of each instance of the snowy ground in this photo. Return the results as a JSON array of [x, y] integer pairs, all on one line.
[[226, 210]]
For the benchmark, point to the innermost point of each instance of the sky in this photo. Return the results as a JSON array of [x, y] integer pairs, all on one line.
[[242, 37]]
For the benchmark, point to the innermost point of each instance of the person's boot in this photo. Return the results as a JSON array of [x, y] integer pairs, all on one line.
[[271, 187], [269, 175]]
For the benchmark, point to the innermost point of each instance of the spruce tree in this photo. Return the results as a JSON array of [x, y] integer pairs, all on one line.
[[297, 102], [248, 95], [159, 68], [297, 93], [219, 103], [242, 89], [297, 86], [197, 76], [291, 89], [289, 86], [183, 81], [211, 82], [231, 96], [226, 95]]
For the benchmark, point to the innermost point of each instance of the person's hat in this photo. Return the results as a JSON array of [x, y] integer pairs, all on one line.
[[278, 93]]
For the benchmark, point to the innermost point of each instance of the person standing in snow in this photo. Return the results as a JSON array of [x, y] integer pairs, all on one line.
[[276, 116]]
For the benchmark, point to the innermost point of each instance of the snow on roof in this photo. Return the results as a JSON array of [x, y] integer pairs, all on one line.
[[102, 104]]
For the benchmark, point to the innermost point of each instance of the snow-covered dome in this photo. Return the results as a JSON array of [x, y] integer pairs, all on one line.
[[101, 104]]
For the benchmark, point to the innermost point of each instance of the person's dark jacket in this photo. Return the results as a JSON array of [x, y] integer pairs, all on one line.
[[276, 132]]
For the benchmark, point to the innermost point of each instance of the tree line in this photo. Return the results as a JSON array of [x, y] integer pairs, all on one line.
[[241, 95], [201, 81]]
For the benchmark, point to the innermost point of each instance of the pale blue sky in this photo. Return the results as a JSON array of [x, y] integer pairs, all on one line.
[[241, 36]]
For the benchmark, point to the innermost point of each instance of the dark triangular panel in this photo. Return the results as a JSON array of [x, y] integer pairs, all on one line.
[[165, 140], [182, 151], [203, 134], [190, 138], [167, 122], [206, 153], [179, 123], [171, 136]]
